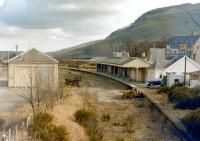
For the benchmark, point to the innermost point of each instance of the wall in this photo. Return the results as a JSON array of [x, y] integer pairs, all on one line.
[[19, 75], [172, 77], [178, 67]]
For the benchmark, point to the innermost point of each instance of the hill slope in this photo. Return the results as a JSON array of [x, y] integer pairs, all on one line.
[[153, 25]]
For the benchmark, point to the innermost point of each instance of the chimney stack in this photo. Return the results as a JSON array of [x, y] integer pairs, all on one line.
[[16, 50]]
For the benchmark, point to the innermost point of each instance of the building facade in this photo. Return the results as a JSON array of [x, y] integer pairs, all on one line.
[[126, 68], [33, 69]]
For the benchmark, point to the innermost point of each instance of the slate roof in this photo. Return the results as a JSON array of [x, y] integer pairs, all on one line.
[[165, 63], [33, 56], [177, 40], [116, 61]]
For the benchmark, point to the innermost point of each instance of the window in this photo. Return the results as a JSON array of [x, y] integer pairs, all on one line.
[[176, 81]]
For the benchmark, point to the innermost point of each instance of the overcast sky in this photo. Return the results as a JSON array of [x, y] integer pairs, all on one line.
[[54, 24]]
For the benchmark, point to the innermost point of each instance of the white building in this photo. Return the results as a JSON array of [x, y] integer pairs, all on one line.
[[175, 66], [33, 68]]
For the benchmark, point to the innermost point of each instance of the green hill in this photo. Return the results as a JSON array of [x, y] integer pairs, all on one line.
[[153, 25]]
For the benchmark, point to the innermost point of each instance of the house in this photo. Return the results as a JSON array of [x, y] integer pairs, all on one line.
[[31, 69], [131, 68], [184, 45], [174, 69]]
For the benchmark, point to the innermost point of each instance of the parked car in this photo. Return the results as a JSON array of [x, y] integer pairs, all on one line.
[[154, 84]]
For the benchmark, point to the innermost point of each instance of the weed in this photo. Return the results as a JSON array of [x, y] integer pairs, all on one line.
[[105, 117]]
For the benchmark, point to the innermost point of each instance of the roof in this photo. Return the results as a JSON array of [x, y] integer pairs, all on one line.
[[114, 61], [195, 73], [33, 56], [165, 63], [177, 40]]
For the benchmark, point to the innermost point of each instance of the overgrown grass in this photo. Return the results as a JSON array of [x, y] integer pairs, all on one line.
[[129, 122], [42, 128], [183, 97], [192, 121], [89, 121], [2, 121]]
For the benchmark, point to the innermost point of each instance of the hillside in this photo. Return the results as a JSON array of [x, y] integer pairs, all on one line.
[[153, 25]]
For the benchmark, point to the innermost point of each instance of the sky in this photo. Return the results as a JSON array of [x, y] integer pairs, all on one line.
[[50, 25]]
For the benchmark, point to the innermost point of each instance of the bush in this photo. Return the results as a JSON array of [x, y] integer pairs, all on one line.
[[192, 122], [42, 128], [164, 90], [181, 94], [85, 118], [105, 117], [191, 103], [88, 120], [185, 98], [2, 121], [197, 90]]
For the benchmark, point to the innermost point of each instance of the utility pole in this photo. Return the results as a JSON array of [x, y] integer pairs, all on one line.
[[185, 71]]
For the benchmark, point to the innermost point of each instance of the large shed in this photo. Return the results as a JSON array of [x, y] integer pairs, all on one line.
[[31, 69]]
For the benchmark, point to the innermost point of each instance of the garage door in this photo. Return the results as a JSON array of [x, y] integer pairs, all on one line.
[[22, 77]]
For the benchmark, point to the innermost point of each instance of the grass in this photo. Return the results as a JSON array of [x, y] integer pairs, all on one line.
[[43, 128], [105, 117], [89, 121]]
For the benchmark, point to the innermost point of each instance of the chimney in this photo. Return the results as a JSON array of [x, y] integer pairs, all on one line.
[[16, 50]]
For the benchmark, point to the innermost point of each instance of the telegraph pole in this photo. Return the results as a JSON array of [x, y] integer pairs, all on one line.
[[185, 71]]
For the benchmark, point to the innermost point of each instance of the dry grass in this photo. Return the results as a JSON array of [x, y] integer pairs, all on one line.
[[64, 114]]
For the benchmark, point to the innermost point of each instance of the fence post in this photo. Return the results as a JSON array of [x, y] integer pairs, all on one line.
[[9, 134], [16, 132]]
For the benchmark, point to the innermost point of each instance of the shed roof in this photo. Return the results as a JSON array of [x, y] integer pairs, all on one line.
[[177, 40], [33, 56], [114, 60], [123, 62]]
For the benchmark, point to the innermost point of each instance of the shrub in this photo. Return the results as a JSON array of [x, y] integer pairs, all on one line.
[[2, 121], [85, 118], [105, 117], [42, 128], [192, 121], [191, 103], [185, 98], [164, 90], [181, 94], [197, 90], [88, 120]]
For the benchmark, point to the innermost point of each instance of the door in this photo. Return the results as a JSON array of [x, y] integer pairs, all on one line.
[[22, 77]]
